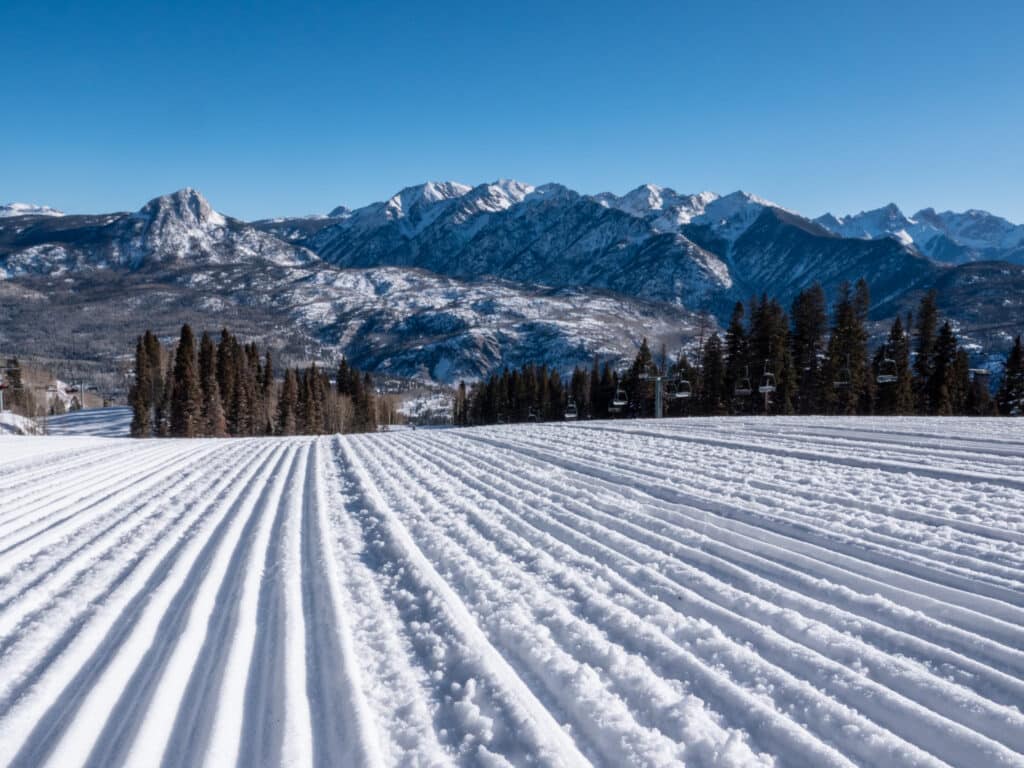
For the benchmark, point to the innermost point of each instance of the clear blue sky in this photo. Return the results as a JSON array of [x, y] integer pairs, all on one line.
[[281, 110]]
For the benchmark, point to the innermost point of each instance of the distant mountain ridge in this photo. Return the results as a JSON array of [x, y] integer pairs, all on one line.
[[948, 237], [568, 275]]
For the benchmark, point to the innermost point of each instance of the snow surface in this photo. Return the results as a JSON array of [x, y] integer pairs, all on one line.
[[797, 591], [100, 422]]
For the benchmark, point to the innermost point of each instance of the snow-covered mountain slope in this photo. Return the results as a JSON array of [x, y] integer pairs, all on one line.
[[949, 237], [701, 592], [399, 321], [658, 255], [10, 210], [549, 235], [178, 228]]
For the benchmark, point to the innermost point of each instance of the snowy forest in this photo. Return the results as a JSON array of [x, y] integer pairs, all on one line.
[[228, 389], [769, 363]]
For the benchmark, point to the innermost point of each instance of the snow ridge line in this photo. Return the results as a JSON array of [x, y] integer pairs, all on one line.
[[556, 745], [100, 502], [195, 712], [808, 496], [343, 730], [132, 733], [997, 726], [750, 559], [894, 467], [381, 631], [274, 727], [996, 581], [689, 646], [995, 616], [20, 602], [235, 698], [545, 642], [82, 658]]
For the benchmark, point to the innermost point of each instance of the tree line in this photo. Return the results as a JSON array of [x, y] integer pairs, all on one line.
[[228, 389], [814, 364]]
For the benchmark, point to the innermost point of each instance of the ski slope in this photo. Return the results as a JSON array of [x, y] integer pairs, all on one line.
[[790, 591]]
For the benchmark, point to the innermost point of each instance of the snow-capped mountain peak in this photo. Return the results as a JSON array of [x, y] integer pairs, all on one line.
[[948, 236], [186, 207], [406, 201], [9, 210]]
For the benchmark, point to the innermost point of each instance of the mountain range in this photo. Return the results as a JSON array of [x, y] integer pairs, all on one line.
[[443, 280]]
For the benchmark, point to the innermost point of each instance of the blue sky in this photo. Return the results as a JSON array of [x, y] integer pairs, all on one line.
[[280, 109]]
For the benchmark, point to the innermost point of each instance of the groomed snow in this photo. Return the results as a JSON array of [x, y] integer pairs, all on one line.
[[796, 591]]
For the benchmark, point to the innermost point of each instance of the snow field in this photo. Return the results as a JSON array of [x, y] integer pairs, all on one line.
[[735, 592]]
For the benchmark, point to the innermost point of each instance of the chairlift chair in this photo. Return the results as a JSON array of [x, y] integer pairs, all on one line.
[[682, 389], [887, 371], [619, 401], [571, 412], [767, 381], [743, 387]]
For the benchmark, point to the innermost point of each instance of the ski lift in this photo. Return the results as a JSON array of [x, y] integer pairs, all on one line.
[[842, 379], [767, 381], [743, 387], [887, 371], [571, 413], [619, 401], [682, 389]]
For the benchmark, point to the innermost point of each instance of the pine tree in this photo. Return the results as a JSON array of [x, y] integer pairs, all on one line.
[[287, 404], [213, 421], [267, 394], [162, 417], [155, 360], [924, 361], [226, 376], [737, 364], [186, 399], [713, 392], [960, 384], [894, 398], [1010, 399], [768, 345], [941, 394], [847, 376], [140, 394], [810, 322]]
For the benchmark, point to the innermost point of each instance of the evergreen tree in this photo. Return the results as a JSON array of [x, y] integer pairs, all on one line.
[[714, 393], [895, 398], [960, 384], [226, 376], [1010, 398], [848, 384], [162, 413], [213, 421], [267, 394], [941, 394], [609, 383], [140, 394], [287, 404], [924, 361], [737, 364], [596, 407], [155, 359], [810, 322], [641, 390], [768, 344], [186, 399]]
